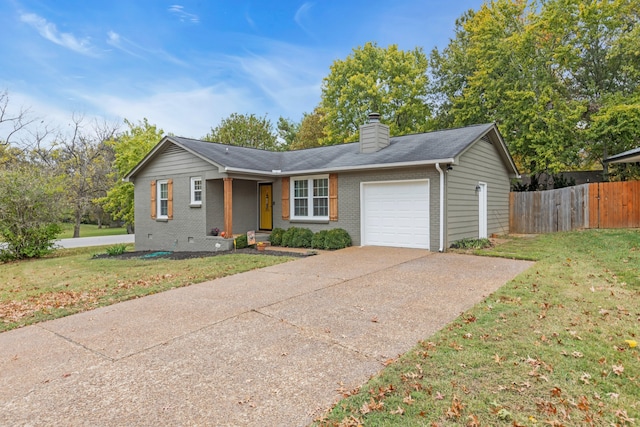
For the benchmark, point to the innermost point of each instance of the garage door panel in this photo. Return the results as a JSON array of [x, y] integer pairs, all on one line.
[[396, 214]]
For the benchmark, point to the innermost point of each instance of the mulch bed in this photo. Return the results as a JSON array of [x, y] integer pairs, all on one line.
[[189, 255]]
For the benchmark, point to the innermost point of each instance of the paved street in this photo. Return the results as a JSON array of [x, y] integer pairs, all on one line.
[[82, 242]]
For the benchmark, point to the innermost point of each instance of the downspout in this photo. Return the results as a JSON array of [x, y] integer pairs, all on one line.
[[441, 172]]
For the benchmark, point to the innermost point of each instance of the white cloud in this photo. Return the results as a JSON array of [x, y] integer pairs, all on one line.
[[301, 16], [189, 113], [49, 31], [114, 39], [183, 16], [125, 45]]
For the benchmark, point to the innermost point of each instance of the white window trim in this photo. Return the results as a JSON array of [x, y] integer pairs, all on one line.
[[193, 190], [292, 204], [159, 184]]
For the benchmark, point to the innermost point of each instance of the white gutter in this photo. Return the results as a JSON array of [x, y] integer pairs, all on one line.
[[338, 169], [441, 248]]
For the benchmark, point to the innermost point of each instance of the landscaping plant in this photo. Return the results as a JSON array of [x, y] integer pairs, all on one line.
[[276, 236]]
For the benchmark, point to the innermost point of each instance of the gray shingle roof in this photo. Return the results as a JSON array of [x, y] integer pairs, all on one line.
[[424, 147]]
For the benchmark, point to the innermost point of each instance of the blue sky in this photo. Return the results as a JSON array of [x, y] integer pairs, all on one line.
[[185, 65]]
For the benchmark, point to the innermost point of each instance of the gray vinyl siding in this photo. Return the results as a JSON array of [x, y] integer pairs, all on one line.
[[188, 229], [349, 201], [481, 163]]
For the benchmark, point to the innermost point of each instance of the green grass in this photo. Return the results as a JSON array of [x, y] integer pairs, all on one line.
[[90, 230], [70, 281], [548, 348]]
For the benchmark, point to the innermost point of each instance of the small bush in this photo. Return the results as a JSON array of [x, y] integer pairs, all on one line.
[[28, 241], [471, 244], [118, 249], [319, 239], [287, 237], [276, 236], [302, 238], [241, 241], [337, 238]]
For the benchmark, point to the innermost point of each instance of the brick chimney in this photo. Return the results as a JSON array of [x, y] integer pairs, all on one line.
[[374, 136]]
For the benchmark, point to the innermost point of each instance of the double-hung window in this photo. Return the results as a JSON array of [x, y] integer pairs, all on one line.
[[196, 190], [310, 197], [163, 199]]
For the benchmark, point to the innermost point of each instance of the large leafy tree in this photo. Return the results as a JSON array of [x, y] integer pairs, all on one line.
[[311, 131], [388, 81], [616, 128], [287, 132], [245, 130], [83, 161], [540, 70], [129, 149]]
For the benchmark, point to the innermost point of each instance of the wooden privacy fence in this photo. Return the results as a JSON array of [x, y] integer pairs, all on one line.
[[614, 204], [596, 205]]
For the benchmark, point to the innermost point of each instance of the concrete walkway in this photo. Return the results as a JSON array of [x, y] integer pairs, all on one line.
[[266, 347]]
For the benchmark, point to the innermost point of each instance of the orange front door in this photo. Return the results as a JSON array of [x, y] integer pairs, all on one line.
[[266, 207]]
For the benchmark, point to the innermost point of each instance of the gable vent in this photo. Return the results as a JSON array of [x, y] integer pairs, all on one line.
[[486, 139], [173, 149]]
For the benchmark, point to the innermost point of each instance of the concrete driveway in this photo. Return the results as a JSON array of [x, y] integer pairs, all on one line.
[[266, 347]]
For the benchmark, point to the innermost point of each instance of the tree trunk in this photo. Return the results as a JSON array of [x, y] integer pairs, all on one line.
[[76, 226], [130, 229]]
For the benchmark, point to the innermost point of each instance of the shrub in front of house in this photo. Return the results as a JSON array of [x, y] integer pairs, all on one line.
[[276, 237], [471, 244], [296, 237], [241, 241], [337, 238], [319, 239], [302, 238], [287, 236]]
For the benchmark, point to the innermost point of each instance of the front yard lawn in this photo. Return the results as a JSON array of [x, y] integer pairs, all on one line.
[[556, 346], [70, 281]]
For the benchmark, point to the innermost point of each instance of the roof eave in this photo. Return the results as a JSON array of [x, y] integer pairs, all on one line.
[[341, 168], [624, 159]]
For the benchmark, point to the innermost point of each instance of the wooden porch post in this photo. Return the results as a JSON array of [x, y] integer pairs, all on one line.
[[228, 207]]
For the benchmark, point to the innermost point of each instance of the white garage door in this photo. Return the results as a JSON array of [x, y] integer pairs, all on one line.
[[395, 213]]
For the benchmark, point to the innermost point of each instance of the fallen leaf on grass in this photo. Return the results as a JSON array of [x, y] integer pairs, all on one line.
[[455, 410], [617, 369], [398, 411], [473, 421], [585, 377], [370, 406], [631, 343], [408, 400]]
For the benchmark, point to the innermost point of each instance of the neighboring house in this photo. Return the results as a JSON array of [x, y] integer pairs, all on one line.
[[420, 191], [630, 156]]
